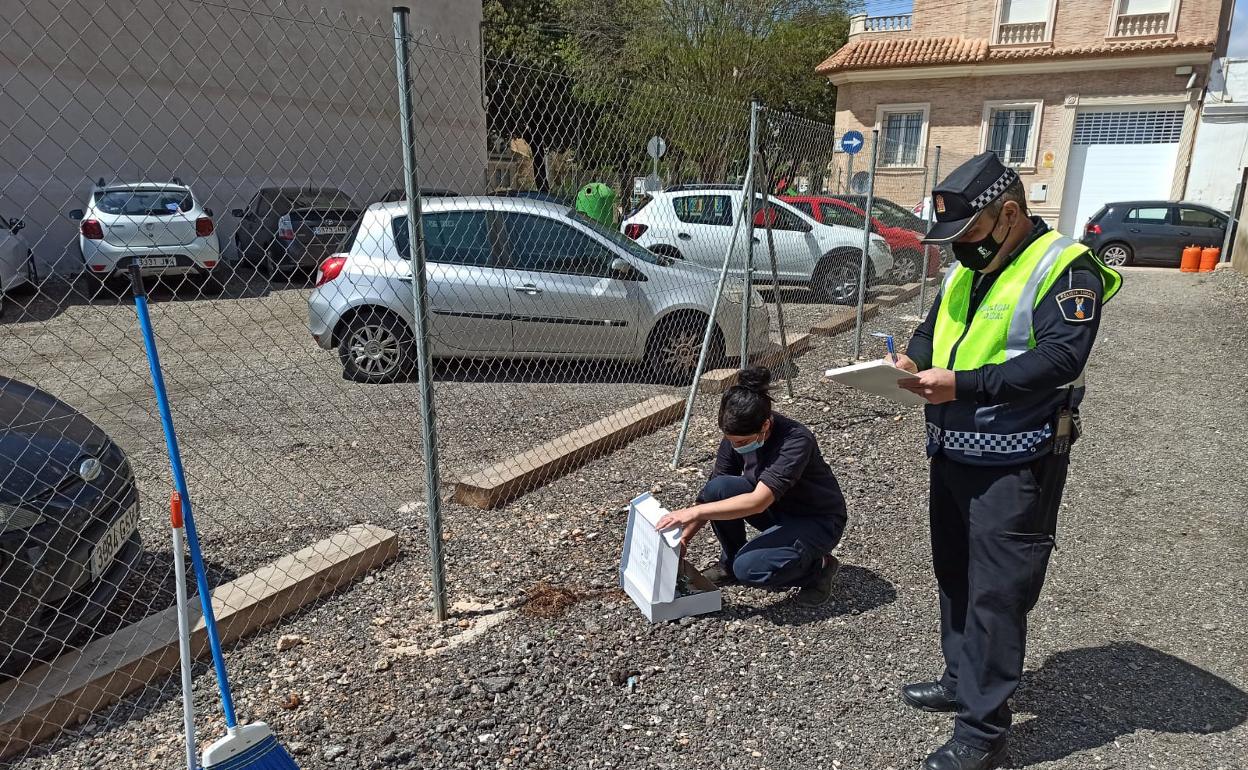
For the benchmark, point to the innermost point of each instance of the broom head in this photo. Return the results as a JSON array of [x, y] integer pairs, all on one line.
[[250, 747]]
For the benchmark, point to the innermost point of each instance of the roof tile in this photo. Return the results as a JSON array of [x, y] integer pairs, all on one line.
[[884, 52]]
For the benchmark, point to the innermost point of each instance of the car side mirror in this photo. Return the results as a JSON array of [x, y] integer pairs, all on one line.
[[76, 214], [623, 269], [238, 213], [208, 211], [16, 226]]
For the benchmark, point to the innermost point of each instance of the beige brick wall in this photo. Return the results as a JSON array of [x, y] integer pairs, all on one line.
[[956, 114], [1077, 22]]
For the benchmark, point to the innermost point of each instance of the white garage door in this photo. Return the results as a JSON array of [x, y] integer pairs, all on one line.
[[1119, 155]]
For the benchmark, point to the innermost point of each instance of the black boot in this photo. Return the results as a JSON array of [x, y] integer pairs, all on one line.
[[958, 756], [720, 574], [929, 696]]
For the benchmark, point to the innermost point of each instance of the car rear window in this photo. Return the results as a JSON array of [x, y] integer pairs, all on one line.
[[144, 203], [321, 199], [1150, 215], [703, 209]]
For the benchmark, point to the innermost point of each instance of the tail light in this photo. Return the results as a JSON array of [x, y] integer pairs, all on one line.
[[634, 230], [1093, 229], [285, 229], [92, 230], [203, 227], [331, 268]]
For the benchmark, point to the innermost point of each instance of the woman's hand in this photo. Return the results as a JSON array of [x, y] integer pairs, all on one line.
[[681, 518], [686, 535]]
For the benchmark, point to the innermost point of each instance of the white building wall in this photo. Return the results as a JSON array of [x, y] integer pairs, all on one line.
[[226, 100], [1221, 150]]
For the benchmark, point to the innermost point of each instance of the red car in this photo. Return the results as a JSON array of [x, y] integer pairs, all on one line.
[[907, 250]]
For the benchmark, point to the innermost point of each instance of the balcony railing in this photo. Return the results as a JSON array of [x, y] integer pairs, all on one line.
[[897, 23], [1022, 34], [860, 23], [1141, 24]]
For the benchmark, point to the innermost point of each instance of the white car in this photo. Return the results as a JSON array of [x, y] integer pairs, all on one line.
[[515, 278], [161, 227], [695, 224], [17, 263]]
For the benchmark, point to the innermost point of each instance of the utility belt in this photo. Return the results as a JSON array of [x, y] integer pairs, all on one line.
[[1056, 432]]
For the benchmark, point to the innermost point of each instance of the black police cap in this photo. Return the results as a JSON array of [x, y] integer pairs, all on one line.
[[965, 193]]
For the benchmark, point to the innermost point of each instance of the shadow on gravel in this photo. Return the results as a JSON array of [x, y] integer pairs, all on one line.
[[858, 590], [1089, 697]]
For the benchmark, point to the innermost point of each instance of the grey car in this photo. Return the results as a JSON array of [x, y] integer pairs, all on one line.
[[1152, 232], [519, 278]]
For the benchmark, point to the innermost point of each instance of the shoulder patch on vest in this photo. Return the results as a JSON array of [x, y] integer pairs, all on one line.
[[1078, 305]]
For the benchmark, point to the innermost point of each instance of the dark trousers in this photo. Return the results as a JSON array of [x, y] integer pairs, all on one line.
[[789, 552], [992, 532]]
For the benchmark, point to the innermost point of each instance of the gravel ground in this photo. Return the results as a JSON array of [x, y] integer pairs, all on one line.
[[1137, 654]]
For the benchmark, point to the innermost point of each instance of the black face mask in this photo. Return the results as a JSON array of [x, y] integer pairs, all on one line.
[[976, 255]]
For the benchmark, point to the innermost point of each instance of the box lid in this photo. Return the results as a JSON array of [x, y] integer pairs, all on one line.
[[651, 558]]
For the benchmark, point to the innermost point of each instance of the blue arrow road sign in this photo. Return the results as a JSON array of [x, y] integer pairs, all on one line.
[[852, 142]]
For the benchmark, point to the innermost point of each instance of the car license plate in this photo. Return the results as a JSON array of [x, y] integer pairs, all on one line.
[[331, 230], [114, 538], [156, 261]]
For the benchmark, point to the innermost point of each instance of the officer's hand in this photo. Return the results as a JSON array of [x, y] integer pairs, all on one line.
[[938, 386], [903, 362]]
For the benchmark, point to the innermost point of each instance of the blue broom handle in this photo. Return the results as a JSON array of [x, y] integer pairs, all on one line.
[[179, 483]]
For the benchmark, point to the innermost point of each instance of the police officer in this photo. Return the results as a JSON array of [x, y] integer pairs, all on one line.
[[1000, 360]]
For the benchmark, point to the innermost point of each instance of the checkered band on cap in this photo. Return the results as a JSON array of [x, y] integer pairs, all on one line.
[[1009, 177]]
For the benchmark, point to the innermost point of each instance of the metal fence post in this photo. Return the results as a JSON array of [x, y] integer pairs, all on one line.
[[420, 310], [748, 273], [1237, 202], [928, 213], [866, 243], [710, 322]]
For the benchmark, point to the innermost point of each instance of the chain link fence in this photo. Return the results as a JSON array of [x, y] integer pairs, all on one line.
[[589, 246]]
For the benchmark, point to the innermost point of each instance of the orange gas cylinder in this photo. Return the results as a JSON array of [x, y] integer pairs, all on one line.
[[1209, 258], [1191, 259]]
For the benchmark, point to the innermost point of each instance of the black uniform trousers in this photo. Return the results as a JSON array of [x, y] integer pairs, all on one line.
[[993, 530]]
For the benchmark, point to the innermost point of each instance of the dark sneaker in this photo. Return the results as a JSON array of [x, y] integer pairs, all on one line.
[[720, 575], [956, 755], [818, 592]]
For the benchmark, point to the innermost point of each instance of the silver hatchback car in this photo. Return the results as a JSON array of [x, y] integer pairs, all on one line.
[[518, 278]]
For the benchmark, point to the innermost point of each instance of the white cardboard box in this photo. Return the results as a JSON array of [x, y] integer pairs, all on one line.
[[651, 564]]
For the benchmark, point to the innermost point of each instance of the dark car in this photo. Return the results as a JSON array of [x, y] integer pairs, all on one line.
[[1152, 232], [69, 516], [284, 229], [400, 194]]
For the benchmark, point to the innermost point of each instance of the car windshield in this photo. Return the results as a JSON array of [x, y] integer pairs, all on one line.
[[144, 203], [619, 239], [321, 199]]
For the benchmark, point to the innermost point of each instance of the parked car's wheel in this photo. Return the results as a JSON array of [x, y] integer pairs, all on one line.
[[835, 278], [675, 344], [376, 347], [1117, 254], [93, 286], [671, 252], [908, 266]]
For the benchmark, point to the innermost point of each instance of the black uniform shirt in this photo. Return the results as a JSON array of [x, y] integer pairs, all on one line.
[[790, 464], [1063, 342]]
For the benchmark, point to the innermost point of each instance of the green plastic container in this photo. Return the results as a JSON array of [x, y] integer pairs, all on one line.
[[597, 201]]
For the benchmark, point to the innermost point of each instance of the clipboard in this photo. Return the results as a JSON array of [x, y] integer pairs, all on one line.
[[878, 378]]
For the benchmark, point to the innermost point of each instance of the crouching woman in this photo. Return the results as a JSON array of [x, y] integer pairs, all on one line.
[[770, 474]]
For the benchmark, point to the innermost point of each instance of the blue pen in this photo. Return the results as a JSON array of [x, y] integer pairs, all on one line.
[[888, 342]]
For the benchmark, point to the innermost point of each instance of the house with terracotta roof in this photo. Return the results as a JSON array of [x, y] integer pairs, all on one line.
[[1091, 100]]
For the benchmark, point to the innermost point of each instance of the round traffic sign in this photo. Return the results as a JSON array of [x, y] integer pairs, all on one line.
[[852, 142], [656, 147]]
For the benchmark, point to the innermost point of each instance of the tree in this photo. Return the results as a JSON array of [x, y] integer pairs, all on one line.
[[527, 85]]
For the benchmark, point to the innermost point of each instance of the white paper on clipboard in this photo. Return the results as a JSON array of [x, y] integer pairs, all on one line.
[[879, 378]]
